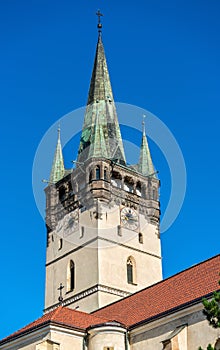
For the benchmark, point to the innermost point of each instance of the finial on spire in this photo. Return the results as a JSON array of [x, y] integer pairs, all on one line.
[[143, 123], [58, 131], [99, 25]]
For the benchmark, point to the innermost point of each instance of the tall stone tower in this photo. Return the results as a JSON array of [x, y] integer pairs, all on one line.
[[103, 216]]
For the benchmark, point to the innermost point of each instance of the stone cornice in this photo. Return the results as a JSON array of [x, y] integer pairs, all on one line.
[[87, 292], [101, 239]]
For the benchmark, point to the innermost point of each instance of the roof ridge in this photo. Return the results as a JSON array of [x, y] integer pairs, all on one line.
[[53, 316], [55, 312], [103, 319]]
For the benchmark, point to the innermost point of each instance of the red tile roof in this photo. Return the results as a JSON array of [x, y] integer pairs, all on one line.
[[182, 288], [63, 316], [163, 297]]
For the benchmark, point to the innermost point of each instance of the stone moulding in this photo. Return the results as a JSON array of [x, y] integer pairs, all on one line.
[[92, 290]]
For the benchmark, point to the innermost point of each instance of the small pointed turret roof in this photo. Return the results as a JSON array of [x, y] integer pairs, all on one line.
[[145, 165], [58, 170], [101, 122], [98, 144]]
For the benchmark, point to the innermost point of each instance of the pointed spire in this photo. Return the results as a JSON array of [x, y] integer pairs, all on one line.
[[145, 165], [100, 86], [101, 110], [58, 170]]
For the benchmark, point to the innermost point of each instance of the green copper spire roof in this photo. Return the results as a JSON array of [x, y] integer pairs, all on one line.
[[58, 170], [98, 145], [145, 165], [100, 86], [101, 122]]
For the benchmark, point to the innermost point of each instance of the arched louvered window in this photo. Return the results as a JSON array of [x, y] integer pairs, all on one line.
[[131, 270], [128, 184], [138, 189], [70, 276], [116, 179]]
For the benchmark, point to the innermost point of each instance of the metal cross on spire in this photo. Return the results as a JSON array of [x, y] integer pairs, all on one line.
[[99, 25], [60, 299]]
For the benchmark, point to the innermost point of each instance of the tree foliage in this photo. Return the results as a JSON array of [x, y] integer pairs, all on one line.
[[212, 313], [209, 347], [212, 310]]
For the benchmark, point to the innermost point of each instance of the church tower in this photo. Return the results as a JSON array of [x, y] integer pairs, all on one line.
[[102, 218]]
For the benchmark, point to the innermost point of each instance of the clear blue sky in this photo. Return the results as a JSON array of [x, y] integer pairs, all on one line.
[[163, 56]]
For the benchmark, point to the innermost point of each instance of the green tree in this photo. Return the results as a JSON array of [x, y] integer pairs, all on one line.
[[212, 313], [209, 347]]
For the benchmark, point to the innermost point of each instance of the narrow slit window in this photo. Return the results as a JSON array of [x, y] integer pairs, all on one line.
[[90, 176], [140, 237], [119, 230], [60, 244], [72, 275], [97, 173], [105, 174], [130, 271], [82, 231]]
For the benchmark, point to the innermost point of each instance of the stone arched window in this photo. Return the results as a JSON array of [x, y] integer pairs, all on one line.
[[128, 184], [131, 270], [97, 172], [138, 188], [116, 179], [70, 276], [62, 193]]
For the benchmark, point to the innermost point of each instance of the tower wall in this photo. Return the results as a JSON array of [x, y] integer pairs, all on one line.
[[90, 226], [102, 217]]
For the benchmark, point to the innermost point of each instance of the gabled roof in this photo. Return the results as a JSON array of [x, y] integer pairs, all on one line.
[[166, 296], [169, 295], [62, 316]]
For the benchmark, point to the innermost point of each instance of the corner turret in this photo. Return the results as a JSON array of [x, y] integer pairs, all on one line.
[[58, 170], [145, 164]]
